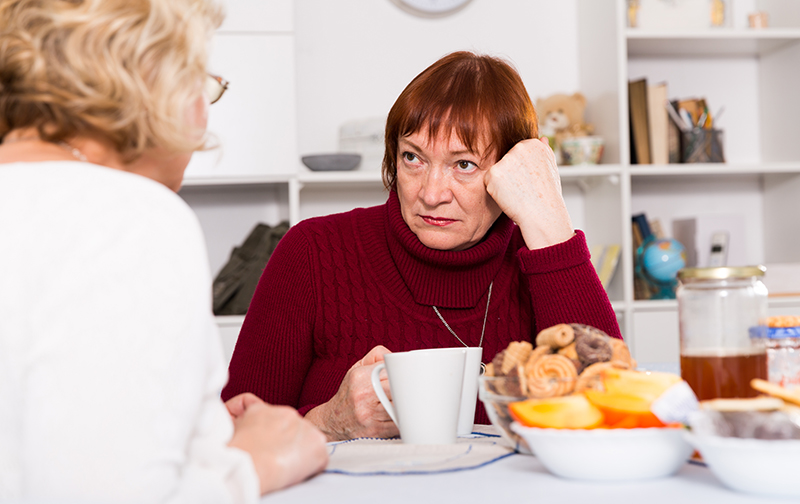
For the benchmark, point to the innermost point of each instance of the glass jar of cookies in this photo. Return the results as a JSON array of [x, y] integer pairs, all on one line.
[[781, 338], [717, 310]]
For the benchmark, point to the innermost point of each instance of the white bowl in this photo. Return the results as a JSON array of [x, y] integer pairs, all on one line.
[[758, 466], [608, 454]]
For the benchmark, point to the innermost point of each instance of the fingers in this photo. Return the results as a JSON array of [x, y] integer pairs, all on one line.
[[526, 185], [285, 448], [237, 405], [374, 356]]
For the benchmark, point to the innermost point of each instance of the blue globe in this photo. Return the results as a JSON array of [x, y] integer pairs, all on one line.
[[662, 259]]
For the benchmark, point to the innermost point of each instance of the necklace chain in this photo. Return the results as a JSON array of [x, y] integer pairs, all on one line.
[[76, 153], [485, 315]]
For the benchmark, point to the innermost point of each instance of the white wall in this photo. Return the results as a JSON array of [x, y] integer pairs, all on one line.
[[354, 57]]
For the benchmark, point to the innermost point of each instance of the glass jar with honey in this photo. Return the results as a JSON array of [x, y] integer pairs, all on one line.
[[717, 310]]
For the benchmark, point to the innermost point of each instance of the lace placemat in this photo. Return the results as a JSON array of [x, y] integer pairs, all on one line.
[[371, 456]]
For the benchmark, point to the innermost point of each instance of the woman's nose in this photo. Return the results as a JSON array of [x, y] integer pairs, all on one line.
[[435, 188]]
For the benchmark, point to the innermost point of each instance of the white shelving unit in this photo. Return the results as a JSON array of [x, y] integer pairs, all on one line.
[[748, 72], [752, 73]]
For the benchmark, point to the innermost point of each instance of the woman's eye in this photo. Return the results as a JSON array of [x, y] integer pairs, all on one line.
[[410, 157], [466, 165]]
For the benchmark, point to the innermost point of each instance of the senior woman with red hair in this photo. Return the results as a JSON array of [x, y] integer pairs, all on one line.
[[474, 247]]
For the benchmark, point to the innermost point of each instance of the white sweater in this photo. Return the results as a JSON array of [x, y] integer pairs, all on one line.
[[110, 361]]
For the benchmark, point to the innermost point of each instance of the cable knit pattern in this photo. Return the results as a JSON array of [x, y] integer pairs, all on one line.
[[337, 286]]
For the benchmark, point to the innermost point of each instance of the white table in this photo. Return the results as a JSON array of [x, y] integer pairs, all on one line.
[[512, 480]]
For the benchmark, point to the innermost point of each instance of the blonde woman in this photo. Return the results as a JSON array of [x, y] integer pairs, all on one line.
[[110, 363]]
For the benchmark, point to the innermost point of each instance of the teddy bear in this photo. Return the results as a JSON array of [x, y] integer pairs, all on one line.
[[561, 117]]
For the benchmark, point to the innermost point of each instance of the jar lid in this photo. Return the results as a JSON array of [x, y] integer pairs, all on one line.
[[723, 272], [774, 332]]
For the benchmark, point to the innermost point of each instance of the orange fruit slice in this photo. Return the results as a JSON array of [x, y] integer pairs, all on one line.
[[567, 412], [623, 410]]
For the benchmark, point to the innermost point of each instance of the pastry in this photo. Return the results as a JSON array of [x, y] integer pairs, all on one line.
[[557, 336], [751, 404], [783, 321], [569, 352], [592, 347], [592, 376], [537, 352], [620, 352], [792, 396], [550, 376], [516, 353]]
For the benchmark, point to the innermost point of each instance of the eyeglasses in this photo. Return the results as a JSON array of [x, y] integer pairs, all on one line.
[[215, 87]]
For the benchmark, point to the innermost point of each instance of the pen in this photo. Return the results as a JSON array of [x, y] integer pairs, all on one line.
[[701, 123], [675, 117], [687, 118]]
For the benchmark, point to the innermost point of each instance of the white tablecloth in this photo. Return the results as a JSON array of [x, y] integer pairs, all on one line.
[[512, 480]]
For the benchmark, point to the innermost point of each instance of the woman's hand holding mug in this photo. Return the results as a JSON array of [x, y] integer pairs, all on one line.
[[355, 410]]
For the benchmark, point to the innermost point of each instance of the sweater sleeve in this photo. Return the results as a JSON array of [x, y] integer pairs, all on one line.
[[565, 288], [275, 346]]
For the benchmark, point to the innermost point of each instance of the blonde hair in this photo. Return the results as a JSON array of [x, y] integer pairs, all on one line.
[[127, 70]]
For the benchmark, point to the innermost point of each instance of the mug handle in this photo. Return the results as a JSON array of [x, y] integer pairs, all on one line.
[[378, 388]]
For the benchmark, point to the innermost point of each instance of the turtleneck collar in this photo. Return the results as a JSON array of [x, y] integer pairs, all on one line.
[[447, 279]]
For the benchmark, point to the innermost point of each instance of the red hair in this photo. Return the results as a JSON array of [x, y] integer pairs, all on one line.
[[478, 97]]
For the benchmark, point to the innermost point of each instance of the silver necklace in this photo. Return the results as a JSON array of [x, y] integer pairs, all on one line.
[[483, 330], [76, 153]]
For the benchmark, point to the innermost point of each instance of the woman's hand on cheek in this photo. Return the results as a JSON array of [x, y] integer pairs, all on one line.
[[355, 410], [526, 185]]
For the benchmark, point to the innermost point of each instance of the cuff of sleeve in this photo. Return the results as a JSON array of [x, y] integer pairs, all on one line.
[[560, 256]]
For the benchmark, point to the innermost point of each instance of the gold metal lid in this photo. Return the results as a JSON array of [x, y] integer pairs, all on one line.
[[722, 273]]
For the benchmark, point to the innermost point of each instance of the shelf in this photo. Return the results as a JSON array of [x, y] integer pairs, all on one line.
[[661, 305], [589, 171], [229, 320], [367, 177], [781, 301], [713, 169], [649, 305], [237, 180], [713, 42], [341, 177]]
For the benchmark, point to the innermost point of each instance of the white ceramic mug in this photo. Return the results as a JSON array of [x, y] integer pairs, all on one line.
[[469, 390], [426, 388]]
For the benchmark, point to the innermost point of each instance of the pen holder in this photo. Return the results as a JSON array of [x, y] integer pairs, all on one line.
[[702, 145]]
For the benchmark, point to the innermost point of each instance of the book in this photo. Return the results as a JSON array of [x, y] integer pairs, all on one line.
[[643, 224], [674, 142], [656, 229], [658, 123], [637, 106], [640, 289], [641, 229], [605, 259]]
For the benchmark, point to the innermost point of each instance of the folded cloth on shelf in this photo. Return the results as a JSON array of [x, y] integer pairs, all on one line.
[[372, 456]]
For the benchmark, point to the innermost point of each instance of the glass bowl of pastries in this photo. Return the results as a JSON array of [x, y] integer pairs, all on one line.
[[751, 445], [575, 398]]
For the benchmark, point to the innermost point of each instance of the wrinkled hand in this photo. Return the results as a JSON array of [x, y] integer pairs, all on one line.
[[526, 185], [285, 448], [355, 410]]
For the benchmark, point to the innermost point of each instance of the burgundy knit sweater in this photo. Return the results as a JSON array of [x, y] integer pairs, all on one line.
[[337, 286]]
